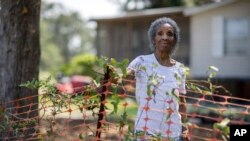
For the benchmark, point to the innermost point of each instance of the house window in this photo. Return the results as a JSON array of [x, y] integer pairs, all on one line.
[[236, 36]]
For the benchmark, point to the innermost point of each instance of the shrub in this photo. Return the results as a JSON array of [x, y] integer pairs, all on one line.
[[81, 64]]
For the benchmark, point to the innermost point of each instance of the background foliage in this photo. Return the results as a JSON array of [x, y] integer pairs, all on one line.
[[64, 34], [133, 5], [82, 64]]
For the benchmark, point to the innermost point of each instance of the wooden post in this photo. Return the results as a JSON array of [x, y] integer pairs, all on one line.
[[102, 104]]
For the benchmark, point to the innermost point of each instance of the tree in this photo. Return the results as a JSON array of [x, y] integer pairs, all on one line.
[[130, 5], [49, 49], [20, 55], [64, 32]]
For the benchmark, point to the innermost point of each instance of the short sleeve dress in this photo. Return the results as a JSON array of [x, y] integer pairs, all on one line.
[[157, 92]]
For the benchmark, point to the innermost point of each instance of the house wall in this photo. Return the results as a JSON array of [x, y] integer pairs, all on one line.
[[202, 42]]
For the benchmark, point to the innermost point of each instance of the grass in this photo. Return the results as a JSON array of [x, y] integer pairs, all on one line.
[[131, 109]]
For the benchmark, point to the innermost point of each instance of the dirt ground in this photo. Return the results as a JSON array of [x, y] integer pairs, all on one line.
[[80, 130], [77, 130]]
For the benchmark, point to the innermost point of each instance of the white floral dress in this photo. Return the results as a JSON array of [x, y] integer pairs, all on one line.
[[157, 93]]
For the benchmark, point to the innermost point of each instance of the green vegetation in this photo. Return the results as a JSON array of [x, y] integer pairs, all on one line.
[[64, 34], [82, 64], [130, 5], [119, 109]]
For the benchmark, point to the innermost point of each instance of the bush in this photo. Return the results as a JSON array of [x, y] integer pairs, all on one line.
[[81, 64]]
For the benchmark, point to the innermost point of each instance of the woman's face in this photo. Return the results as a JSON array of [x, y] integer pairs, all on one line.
[[164, 39]]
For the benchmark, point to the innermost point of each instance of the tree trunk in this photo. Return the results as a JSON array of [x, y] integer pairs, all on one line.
[[19, 56]]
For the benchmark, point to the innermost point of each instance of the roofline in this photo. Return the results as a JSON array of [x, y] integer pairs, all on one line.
[[161, 11], [142, 13], [199, 9]]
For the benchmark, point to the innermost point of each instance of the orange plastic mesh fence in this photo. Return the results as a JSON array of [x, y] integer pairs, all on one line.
[[75, 117]]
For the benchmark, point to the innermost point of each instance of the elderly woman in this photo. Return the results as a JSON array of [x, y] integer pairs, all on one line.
[[159, 81]]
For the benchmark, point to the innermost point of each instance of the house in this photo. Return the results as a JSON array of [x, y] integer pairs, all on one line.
[[220, 36], [125, 36], [216, 34]]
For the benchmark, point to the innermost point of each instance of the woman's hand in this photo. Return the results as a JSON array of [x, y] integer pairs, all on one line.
[[185, 134]]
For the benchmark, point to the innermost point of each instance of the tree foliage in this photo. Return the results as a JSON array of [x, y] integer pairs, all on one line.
[[131, 5], [63, 34], [82, 64]]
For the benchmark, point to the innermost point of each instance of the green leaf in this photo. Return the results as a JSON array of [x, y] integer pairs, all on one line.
[[124, 116], [154, 82], [125, 62], [224, 122], [113, 61], [168, 117], [148, 90], [223, 126], [123, 67], [115, 106], [143, 68], [155, 65], [175, 96], [81, 136]]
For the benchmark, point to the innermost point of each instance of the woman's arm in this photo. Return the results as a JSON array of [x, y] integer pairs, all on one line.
[[129, 81], [183, 109], [184, 119], [130, 77]]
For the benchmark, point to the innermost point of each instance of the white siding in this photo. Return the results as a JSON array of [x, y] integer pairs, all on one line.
[[204, 51], [217, 36]]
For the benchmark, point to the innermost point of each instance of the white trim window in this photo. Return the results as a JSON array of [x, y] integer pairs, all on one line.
[[231, 36], [236, 36]]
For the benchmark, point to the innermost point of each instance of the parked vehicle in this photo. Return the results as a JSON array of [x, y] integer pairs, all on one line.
[[74, 84]]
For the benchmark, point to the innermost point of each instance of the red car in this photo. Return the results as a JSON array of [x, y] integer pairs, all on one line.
[[74, 84]]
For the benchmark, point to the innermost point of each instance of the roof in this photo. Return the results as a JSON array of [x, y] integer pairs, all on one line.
[[199, 9], [169, 10], [142, 13]]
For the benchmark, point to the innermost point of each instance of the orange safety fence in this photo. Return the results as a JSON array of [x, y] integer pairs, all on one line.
[[76, 117]]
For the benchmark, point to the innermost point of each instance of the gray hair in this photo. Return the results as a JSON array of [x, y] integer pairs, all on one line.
[[156, 24]]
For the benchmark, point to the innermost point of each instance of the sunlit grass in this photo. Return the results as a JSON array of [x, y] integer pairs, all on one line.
[[47, 108], [131, 107]]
